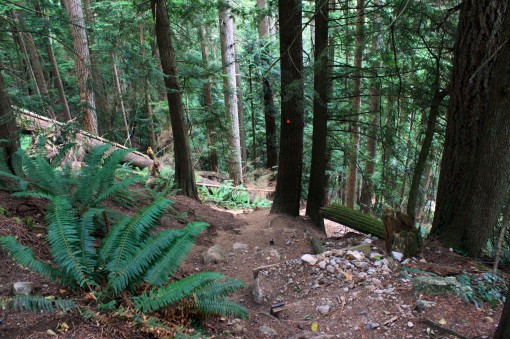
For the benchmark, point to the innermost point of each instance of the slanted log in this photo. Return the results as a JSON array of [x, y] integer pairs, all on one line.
[[354, 219], [31, 122]]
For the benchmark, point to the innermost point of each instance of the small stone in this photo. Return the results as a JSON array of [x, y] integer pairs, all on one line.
[[330, 269], [239, 329], [346, 289], [23, 287], [378, 291], [376, 281], [257, 292], [214, 255], [397, 255], [240, 246], [322, 264], [375, 256], [362, 275], [360, 264], [371, 271], [273, 252], [489, 319], [363, 248], [354, 255], [266, 330], [323, 309], [367, 241], [410, 324], [309, 259], [372, 326]]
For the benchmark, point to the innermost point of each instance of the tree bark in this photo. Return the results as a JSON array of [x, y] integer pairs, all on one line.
[[317, 184], [150, 117], [476, 160], [268, 96], [54, 65], [207, 102], [82, 64], [121, 100], [228, 58], [240, 104], [288, 186], [184, 172], [356, 103], [503, 330], [9, 138]]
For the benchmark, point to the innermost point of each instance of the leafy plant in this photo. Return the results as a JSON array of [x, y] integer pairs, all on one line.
[[483, 288], [229, 196], [131, 255]]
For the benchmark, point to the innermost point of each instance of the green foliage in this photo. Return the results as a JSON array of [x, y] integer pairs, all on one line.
[[231, 197], [130, 255], [35, 303], [483, 288]]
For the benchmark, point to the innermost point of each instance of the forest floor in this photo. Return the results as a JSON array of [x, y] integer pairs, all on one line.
[[371, 299]]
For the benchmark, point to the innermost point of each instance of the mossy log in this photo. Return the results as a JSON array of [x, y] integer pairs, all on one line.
[[364, 223]]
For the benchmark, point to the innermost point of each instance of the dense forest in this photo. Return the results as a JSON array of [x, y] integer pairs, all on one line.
[[394, 109]]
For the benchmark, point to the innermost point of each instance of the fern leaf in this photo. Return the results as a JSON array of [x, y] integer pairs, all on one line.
[[220, 307], [133, 233], [62, 152], [115, 188], [36, 303], [87, 182], [25, 256], [86, 226], [172, 293], [134, 267], [174, 254], [64, 240], [221, 288], [106, 174], [110, 242], [33, 194]]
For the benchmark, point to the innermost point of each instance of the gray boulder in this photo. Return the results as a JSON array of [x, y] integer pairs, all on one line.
[[23, 287], [214, 255], [435, 285]]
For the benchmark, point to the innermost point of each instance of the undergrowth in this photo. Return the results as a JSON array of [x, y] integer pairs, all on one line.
[[232, 197]]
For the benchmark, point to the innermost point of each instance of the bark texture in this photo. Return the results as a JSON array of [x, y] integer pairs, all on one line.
[[476, 160], [82, 64], [317, 185], [228, 58], [9, 139], [184, 171], [288, 187]]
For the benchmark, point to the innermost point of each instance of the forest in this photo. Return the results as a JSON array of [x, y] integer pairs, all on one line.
[[135, 135]]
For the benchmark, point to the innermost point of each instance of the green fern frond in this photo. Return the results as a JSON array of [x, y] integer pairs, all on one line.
[[220, 288], [87, 255], [106, 174], [14, 180], [220, 307], [33, 194], [174, 254], [25, 257], [172, 293], [135, 266], [64, 240], [62, 152], [129, 237], [115, 188], [36, 303], [110, 242], [88, 177]]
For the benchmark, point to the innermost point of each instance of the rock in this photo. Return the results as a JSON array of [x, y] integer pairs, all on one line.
[[266, 330], [23, 287], [239, 329], [360, 264], [397, 255], [371, 271], [257, 292], [375, 256], [322, 264], [240, 246], [424, 304], [376, 281], [364, 248], [214, 255], [372, 326], [362, 275], [273, 252], [323, 309], [331, 269], [309, 259], [354, 255], [410, 324], [432, 285]]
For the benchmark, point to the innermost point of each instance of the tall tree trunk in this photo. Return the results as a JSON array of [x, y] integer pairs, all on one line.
[[253, 121], [9, 138], [267, 90], [54, 66], [288, 186], [36, 66], [240, 105], [317, 185], [184, 172], [419, 168], [121, 100], [475, 168], [207, 102], [82, 64], [150, 118], [356, 103], [226, 23], [99, 88]]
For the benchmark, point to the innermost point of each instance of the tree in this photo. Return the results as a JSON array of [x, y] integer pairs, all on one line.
[[356, 104], [82, 64], [9, 140], [288, 182], [184, 173], [267, 90], [228, 58], [475, 168], [316, 188]]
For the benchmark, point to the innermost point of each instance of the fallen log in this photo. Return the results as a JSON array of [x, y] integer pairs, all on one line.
[[30, 121], [354, 219]]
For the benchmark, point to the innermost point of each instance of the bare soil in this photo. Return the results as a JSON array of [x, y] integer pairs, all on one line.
[[272, 240]]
